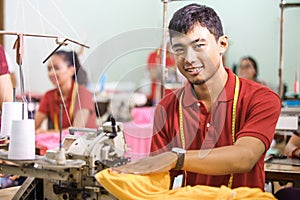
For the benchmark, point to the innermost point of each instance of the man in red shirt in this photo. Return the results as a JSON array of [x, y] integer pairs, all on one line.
[[220, 125], [6, 91]]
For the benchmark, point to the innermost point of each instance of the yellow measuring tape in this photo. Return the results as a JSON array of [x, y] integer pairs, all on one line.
[[235, 99], [71, 110], [181, 121]]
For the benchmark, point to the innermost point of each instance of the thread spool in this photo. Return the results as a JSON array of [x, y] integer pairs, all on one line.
[[22, 140], [12, 111]]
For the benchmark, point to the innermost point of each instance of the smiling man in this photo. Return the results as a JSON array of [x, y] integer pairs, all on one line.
[[217, 128]]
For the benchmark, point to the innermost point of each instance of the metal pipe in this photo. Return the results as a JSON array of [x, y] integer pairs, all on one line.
[[62, 43], [280, 89], [22, 83], [289, 5], [163, 48], [39, 35], [282, 5]]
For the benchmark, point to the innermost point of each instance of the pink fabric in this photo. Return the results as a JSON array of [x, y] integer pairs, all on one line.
[[138, 139], [138, 132], [50, 139], [143, 115]]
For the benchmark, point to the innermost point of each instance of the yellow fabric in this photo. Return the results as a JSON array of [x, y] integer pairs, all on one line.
[[156, 186]]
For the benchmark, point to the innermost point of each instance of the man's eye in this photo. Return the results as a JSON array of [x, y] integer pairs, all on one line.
[[178, 50], [198, 46]]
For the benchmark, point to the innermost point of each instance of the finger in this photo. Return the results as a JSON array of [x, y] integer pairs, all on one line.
[[13, 177]]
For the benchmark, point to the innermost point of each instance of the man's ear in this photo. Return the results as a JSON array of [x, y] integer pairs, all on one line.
[[223, 43]]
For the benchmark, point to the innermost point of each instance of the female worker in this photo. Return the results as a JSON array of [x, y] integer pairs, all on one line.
[[77, 104], [248, 69]]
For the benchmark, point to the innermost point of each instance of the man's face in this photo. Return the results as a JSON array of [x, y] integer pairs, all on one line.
[[198, 54]]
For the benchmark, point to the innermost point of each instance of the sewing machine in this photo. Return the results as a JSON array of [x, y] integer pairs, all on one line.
[[288, 119], [68, 172]]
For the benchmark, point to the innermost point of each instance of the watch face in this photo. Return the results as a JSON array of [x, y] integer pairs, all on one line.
[[178, 150]]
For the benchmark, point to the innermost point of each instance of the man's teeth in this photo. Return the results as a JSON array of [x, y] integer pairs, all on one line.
[[193, 69]]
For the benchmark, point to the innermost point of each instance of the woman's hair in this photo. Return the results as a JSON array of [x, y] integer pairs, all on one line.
[[71, 58], [185, 18]]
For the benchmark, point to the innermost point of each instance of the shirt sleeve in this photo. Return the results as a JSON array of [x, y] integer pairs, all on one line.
[[3, 62], [44, 104], [262, 115], [158, 138]]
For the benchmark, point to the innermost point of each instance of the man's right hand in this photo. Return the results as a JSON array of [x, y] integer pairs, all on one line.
[[149, 165]]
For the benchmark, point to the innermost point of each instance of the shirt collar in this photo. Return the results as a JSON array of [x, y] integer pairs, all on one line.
[[227, 93]]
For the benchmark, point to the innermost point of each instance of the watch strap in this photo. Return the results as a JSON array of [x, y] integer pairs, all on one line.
[[180, 158]]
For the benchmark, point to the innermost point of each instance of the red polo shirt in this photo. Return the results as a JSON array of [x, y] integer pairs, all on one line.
[[3, 62], [257, 112], [50, 102]]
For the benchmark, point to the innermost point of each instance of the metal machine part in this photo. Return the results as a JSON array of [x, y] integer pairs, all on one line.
[[86, 153], [288, 122]]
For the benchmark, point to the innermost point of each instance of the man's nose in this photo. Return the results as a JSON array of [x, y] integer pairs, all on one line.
[[190, 56]]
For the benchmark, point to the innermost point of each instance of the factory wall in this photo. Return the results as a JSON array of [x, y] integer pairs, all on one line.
[[121, 34]]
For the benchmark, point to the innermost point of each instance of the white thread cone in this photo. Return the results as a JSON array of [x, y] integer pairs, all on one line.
[[22, 140], [12, 111]]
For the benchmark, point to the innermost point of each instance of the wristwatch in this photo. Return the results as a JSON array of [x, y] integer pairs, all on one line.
[[180, 157]]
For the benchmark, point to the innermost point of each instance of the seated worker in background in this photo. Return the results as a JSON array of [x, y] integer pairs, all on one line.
[[248, 69], [292, 149], [6, 89], [78, 105], [154, 67], [217, 128]]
